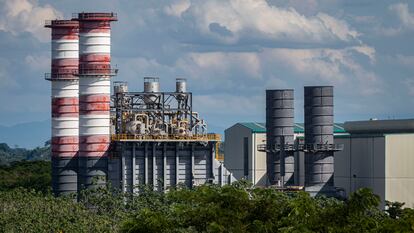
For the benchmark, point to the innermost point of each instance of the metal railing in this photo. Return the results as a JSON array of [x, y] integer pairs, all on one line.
[[62, 77], [207, 137], [58, 22], [89, 16], [301, 147], [97, 72]]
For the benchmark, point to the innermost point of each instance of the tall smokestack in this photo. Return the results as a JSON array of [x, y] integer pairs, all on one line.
[[65, 108], [279, 136], [319, 120], [94, 96]]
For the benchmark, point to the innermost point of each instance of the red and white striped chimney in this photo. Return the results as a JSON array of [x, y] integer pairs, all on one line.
[[94, 96], [65, 108]]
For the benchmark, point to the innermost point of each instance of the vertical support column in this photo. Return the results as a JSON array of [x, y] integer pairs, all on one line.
[[154, 164], [221, 183], [65, 105], [94, 96], [192, 166], [177, 164], [213, 153], [146, 164], [123, 172], [133, 167], [164, 166]]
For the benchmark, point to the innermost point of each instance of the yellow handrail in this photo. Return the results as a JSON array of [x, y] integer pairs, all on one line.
[[207, 137]]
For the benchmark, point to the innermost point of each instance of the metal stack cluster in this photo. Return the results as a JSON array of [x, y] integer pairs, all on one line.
[[155, 114], [280, 138], [65, 105], [319, 144], [159, 141], [94, 96], [80, 78], [156, 136]]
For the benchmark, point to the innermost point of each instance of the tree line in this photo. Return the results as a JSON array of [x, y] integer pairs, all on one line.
[[27, 205], [208, 208]]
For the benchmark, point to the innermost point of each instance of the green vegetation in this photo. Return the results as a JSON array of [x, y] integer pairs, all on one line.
[[27, 205], [29, 169], [32, 175], [9, 155], [208, 208]]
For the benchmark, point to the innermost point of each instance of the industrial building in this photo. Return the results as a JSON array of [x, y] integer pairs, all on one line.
[[282, 165], [127, 139], [159, 140], [244, 159], [378, 154]]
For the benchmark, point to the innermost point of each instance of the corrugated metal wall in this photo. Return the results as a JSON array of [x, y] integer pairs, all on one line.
[[163, 165]]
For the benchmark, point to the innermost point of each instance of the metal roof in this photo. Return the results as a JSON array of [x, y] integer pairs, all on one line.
[[256, 127]]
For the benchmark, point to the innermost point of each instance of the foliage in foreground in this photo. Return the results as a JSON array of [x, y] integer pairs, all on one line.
[[31, 211], [26, 174], [233, 208], [236, 209]]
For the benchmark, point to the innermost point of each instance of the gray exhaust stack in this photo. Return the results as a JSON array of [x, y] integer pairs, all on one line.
[[319, 140], [280, 138]]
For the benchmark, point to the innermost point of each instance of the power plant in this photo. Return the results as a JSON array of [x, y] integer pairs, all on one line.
[[153, 137], [127, 139], [160, 141]]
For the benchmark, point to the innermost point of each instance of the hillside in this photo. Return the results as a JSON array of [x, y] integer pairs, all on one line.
[[9, 155]]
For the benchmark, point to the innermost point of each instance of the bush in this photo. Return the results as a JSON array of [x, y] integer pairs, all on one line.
[[30, 175], [30, 211], [207, 208]]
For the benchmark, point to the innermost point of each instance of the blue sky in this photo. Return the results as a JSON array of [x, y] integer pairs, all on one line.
[[230, 52]]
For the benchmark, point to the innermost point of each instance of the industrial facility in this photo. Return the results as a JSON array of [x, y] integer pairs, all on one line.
[[275, 155], [160, 141], [376, 154], [127, 139], [152, 137], [246, 161]]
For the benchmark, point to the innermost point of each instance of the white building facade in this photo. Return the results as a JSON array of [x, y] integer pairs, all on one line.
[[377, 155]]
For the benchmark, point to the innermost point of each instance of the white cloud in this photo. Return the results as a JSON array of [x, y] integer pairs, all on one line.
[[18, 16], [224, 62], [312, 64], [365, 50], [256, 70], [337, 27], [256, 18], [177, 8], [330, 66], [404, 14], [305, 6]]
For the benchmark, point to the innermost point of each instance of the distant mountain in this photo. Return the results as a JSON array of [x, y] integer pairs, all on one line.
[[26, 135]]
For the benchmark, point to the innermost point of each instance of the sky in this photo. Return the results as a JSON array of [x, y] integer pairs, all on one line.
[[229, 51]]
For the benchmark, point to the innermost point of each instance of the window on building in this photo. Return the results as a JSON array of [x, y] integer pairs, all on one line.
[[246, 156]]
